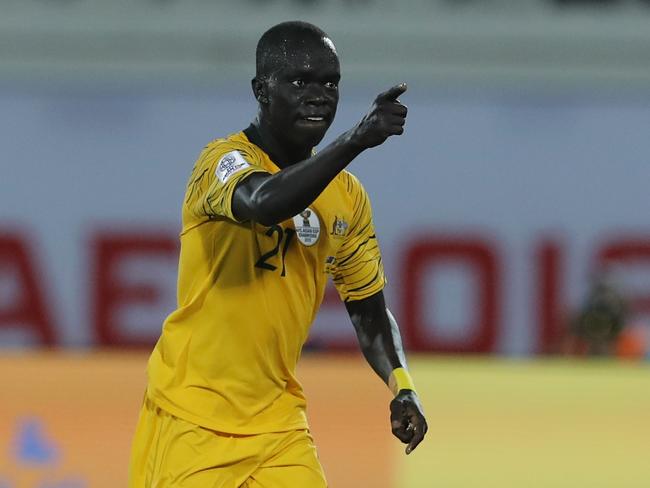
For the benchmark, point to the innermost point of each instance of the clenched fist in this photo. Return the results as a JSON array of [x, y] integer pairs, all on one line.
[[407, 419], [386, 118]]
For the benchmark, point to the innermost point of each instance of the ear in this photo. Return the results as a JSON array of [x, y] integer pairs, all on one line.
[[260, 90]]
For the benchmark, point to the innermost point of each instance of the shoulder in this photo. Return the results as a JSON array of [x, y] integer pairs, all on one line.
[[222, 158], [235, 145], [350, 183], [353, 189], [354, 196]]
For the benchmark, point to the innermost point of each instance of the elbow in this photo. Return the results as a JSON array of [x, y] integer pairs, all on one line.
[[265, 219], [262, 210]]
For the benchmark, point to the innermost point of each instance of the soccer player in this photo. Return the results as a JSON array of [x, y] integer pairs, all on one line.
[[266, 220]]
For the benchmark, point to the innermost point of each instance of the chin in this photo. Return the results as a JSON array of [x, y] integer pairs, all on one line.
[[309, 137]]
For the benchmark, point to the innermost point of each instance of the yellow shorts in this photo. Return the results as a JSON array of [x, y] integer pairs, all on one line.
[[170, 452]]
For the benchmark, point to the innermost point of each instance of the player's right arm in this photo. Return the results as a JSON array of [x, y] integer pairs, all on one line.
[[269, 199]]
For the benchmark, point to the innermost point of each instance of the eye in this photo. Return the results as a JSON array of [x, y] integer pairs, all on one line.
[[298, 83], [332, 85]]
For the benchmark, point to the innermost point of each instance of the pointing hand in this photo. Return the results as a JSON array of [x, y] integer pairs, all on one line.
[[385, 118]]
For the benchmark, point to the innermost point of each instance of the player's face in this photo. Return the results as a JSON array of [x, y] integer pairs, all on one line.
[[303, 95]]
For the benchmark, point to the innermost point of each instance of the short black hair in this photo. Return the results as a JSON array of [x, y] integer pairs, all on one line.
[[281, 39]]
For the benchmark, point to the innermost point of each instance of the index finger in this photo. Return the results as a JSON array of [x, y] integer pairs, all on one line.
[[392, 93]]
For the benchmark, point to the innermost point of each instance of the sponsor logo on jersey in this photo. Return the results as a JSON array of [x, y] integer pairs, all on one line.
[[307, 227], [231, 163], [339, 227]]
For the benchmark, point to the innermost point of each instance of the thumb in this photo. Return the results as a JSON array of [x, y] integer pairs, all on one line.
[[392, 93]]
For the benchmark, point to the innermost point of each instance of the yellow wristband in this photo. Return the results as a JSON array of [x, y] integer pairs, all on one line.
[[400, 379]]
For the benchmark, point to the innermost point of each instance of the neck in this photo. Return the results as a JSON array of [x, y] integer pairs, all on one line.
[[281, 153]]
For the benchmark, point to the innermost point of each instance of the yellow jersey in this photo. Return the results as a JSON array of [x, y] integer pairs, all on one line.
[[247, 295]]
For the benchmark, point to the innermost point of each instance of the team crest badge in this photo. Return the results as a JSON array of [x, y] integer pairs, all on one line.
[[307, 227], [339, 227]]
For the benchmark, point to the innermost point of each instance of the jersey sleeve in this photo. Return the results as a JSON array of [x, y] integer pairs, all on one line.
[[358, 272], [214, 179]]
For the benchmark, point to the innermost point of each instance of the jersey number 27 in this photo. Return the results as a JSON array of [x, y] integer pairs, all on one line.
[[283, 238]]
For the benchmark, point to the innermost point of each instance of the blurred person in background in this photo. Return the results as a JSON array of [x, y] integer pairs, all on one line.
[[266, 220], [596, 328]]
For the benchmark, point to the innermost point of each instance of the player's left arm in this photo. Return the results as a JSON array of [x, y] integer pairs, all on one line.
[[381, 344]]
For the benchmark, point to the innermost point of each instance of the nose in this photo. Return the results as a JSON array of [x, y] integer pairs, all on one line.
[[316, 94]]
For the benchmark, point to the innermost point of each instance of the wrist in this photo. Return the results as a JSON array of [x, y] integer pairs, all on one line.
[[351, 141], [400, 379]]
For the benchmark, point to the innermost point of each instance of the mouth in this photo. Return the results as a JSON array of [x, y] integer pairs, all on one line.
[[315, 121]]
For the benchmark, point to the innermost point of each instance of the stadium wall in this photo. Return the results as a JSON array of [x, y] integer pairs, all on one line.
[[493, 211]]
